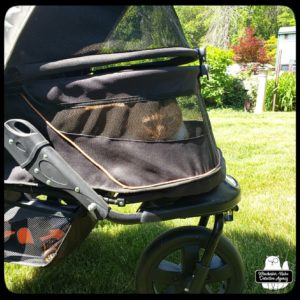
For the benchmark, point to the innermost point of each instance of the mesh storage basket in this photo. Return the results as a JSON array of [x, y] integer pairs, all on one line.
[[37, 233]]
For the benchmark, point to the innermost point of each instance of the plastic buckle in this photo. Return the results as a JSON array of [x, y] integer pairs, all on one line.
[[228, 216]]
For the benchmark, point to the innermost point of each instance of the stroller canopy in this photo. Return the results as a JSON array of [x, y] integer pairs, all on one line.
[[47, 33]]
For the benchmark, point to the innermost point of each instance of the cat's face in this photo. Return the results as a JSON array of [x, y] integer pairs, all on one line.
[[272, 261], [161, 121]]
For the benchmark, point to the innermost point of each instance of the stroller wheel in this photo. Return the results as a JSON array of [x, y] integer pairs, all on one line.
[[168, 263]]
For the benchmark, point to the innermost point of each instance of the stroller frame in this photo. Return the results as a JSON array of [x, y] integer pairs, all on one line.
[[194, 186], [60, 179]]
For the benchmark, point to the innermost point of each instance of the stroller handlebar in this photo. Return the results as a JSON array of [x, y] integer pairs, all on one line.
[[22, 140], [34, 153]]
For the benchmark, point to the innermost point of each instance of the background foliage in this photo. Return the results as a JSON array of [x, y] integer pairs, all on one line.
[[221, 89], [285, 94], [198, 22], [250, 48], [250, 30]]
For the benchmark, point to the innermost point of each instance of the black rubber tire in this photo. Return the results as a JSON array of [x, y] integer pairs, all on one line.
[[226, 257]]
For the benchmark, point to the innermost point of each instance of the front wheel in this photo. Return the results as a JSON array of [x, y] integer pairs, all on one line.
[[168, 263]]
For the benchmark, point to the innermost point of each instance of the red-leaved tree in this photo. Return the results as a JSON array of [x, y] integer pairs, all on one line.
[[250, 49]]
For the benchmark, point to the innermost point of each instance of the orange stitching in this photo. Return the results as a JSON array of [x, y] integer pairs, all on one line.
[[105, 171]]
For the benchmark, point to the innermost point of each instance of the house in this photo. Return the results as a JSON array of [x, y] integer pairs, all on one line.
[[287, 45]]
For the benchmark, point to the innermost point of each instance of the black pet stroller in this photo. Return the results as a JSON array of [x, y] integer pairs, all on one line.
[[100, 111]]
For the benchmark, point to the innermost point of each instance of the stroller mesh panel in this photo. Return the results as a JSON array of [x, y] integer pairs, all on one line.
[[90, 30], [142, 27], [147, 120], [131, 130], [32, 237]]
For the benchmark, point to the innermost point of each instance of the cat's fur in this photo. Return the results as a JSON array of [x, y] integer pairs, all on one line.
[[149, 121]]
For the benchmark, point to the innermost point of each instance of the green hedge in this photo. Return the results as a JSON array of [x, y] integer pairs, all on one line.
[[222, 90]]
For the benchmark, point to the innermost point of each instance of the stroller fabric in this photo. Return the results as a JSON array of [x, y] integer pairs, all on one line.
[[110, 88], [122, 122]]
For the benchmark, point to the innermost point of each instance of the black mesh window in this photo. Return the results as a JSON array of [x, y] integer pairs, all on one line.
[[88, 30], [145, 27], [171, 119]]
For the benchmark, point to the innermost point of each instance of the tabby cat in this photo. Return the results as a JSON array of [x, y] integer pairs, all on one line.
[[149, 121], [157, 121]]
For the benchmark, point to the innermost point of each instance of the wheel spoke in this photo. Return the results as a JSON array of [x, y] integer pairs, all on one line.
[[190, 256], [167, 272]]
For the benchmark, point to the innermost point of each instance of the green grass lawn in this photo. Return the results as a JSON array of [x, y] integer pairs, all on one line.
[[260, 152]]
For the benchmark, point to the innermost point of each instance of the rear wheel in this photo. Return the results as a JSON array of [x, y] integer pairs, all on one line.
[[168, 263]]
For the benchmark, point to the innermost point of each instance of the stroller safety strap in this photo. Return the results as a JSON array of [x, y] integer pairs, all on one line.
[[33, 152]]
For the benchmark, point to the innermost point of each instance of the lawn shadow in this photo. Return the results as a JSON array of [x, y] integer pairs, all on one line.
[[106, 261]]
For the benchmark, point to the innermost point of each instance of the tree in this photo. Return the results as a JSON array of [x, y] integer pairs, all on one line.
[[222, 26], [285, 17], [271, 46], [250, 49], [194, 21], [223, 22], [264, 19]]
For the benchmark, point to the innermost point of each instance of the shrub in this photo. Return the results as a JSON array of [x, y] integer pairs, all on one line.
[[221, 89], [250, 49], [286, 93], [236, 94], [271, 46]]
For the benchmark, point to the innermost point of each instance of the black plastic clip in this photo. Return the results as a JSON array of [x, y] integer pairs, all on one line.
[[202, 58], [201, 55], [118, 201], [204, 71], [228, 215]]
